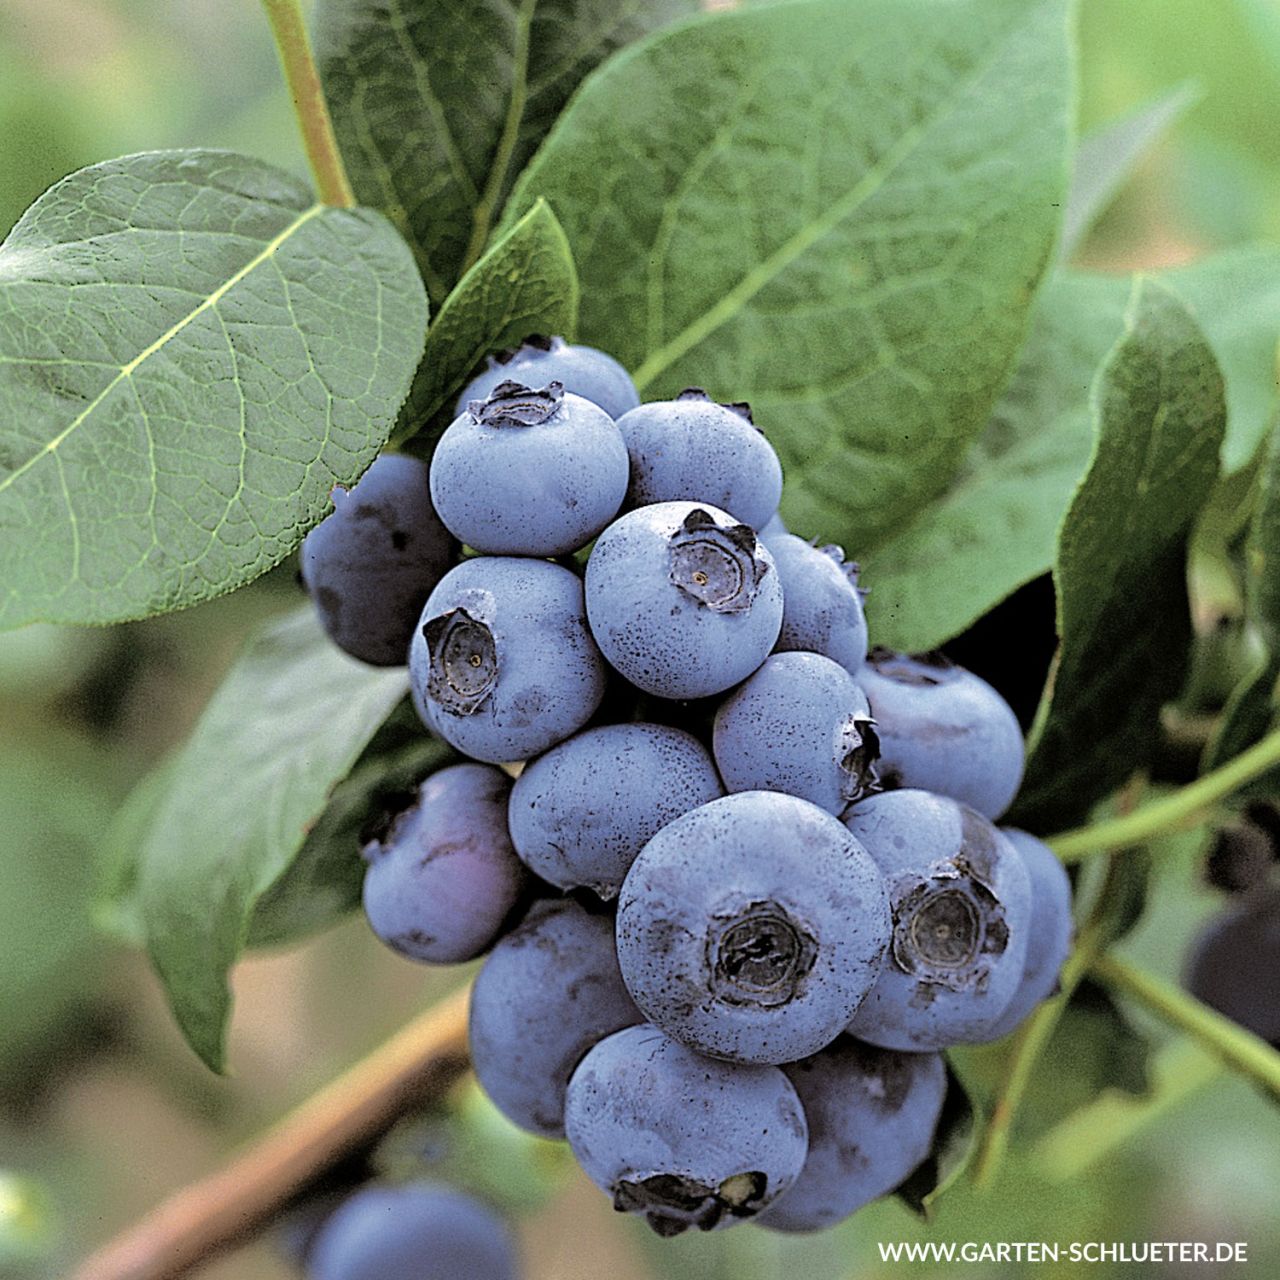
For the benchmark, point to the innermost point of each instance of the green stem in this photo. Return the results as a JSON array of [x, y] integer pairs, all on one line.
[[1172, 811], [309, 103], [1230, 1043], [1028, 1046]]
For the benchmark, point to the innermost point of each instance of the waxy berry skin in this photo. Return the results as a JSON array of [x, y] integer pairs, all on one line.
[[683, 600], [961, 903], [418, 1231], [539, 361], [370, 565], [502, 665], [822, 604], [800, 725], [547, 992], [692, 449], [943, 729], [1051, 931], [529, 472], [444, 877], [581, 813], [872, 1115], [683, 1140], [751, 928]]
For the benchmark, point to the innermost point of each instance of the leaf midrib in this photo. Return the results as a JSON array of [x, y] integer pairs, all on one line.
[[813, 232], [126, 371]]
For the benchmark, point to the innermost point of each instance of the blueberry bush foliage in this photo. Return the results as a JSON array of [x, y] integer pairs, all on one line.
[[861, 218]]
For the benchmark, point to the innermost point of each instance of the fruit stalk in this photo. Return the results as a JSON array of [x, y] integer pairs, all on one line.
[[227, 1207], [300, 74], [1171, 811]]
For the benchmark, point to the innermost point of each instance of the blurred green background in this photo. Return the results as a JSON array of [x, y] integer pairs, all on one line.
[[103, 1110]]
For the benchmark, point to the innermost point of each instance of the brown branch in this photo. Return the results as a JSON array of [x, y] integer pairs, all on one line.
[[222, 1210]]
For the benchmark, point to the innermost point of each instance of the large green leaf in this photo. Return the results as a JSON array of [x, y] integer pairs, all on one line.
[[1121, 563], [839, 212], [996, 525], [439, 105], [192, 353], [525, 284], [285, 727], [1251, 711]]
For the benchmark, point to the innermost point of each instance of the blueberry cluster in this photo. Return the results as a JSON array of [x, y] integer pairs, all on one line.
[[747, 882]]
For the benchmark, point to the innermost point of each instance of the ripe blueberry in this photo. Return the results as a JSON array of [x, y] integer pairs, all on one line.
[[529, 472], [693, 449], [752, 927], [872, 1115], [502, 665], [581, 813], [419, 1231], [584, 371], [445, 877], [371, 564], [944, 730], [1049, 939], [822, 605], [961, 902], [800, 725], [683, 601], [681, 1139], [547, 992]]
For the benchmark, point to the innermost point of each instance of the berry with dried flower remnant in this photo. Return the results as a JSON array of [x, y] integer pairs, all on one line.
[[531, 472], [682, 1140], [683, 600], [502, 665], [800, 725], [752, 927], [822, 603], [961, 903]]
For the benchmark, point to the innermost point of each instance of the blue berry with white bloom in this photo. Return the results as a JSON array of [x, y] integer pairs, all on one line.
[[538, 361], [679, 1139], [943, 729], [444, 876], [961, 903], [370, 565], [548, 991], [683, 600], [872, 1115], [696, 450], [1051, 932], [502, 665], [534, 472], [801, 725], [752, 927], [581, 813], [822, 604]]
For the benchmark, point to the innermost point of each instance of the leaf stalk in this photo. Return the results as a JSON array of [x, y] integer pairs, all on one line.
[[309, 104]]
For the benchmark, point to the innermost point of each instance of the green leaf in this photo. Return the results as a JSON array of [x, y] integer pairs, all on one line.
[[1251, 711], [838, 212], [1235, 297], [1107, 156], [439, 105], [323, 881], [287, 724], [525, 284], [955, 1143], [192, 353], [996, 525], [1121, 565]]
